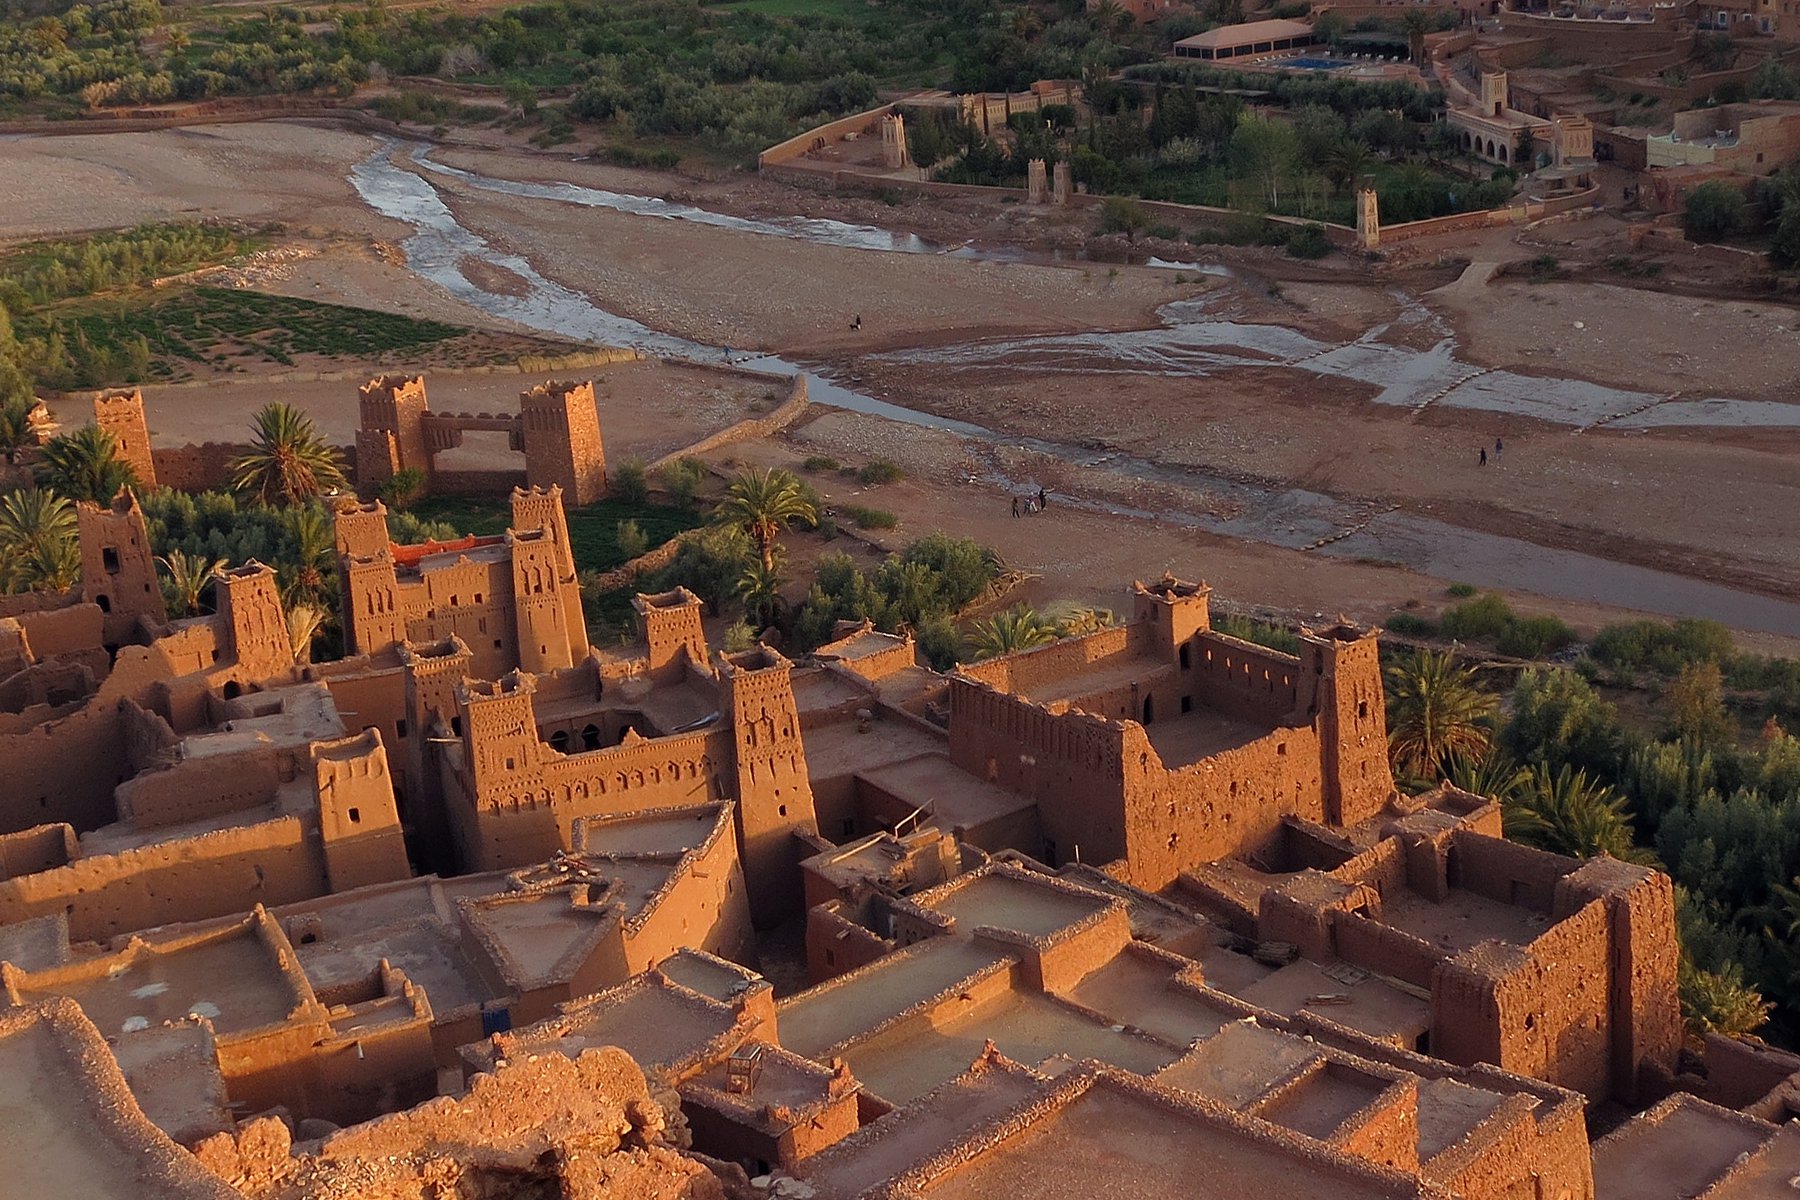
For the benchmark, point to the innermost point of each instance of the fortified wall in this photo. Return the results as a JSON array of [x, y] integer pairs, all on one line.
[[557, 428]]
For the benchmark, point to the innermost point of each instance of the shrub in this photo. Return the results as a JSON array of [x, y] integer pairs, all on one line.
[[632, 542], [1534, 637], [630, 482], [1409, 625], [879, 471], [1485, 617], [1120, 214], [1714, 210], [682, 480], [403, 489], [871, 518], [628, 156], [1261, 632], [1666, 649], [1462, 591], [1308, 241], [819, 462]]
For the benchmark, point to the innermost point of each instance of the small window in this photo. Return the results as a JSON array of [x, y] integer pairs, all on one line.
[[455, 600], [1186, 657], [400, 729], [1362, 710], [109, 558], [782, 810], [830, 958], [456, 726], [104, 601], [509, 764], [496, 643], [1187, 704], [355, 816]]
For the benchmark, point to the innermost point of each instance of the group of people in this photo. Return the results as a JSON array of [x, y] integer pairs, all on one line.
[[1030, 503], [1499, 448]]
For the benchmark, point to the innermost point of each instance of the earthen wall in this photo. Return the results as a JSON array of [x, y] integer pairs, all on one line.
[[1245, 679], [1385, 950], [40, 848], [213, 875], [197, 789], [1228, 804], [1507, 872]]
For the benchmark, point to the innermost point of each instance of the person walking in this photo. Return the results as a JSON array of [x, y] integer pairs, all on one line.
[[1499, 447], [1043, 498], [1015, 506], [856, 325], [1484, 456]]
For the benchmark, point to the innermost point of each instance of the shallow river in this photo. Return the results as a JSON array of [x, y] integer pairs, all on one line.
[[1189, 343]]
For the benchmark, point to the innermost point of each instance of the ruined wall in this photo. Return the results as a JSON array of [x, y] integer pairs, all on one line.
[[197, 789], [202, 467], [57, 632], [66, 770], [1227, 805], [212, 875], [1245, 679], [1507, 872], [1384, 949], [1072, 765], [1057, 663], [1541, 1010], [38, 849]]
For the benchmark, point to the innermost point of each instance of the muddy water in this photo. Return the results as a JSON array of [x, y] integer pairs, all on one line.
[[1188, 344]]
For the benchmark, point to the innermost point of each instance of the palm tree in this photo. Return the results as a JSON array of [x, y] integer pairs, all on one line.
[[1415, 23], [1497, 777], [760, 590], [1568, 813], [304, 623], [1081, 621], [85, 465], [1435, 710], [1016, 629], [16, 432], [1347, 162], [763, 504], [38, 546], [187, 580], [289, 462], [310, 564], [1720, 1001]]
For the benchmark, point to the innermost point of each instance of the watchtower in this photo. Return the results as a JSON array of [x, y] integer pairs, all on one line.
[[1342, 666], [358, 823], [118, 572], [774, 790], [548, 639], [390, 435], [670, 624], [1173, 609], [561, 427], [249, 606], [121, 413]]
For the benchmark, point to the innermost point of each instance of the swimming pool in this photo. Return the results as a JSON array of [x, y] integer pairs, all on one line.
[[1316, 64]]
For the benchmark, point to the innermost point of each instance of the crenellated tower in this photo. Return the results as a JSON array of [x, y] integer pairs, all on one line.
[[1342, 667], [120, 412], [118, 571], [249, 606], [670, 623], [561, 425], [390, 435], [774, 789]]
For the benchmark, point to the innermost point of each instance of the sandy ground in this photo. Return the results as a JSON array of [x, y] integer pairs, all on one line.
[[1704, 502]]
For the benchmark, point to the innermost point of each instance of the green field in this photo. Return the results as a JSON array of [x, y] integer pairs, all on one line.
[[593, 530]]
